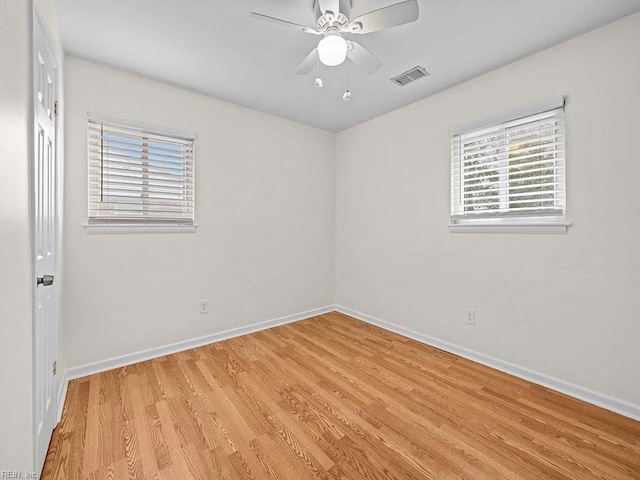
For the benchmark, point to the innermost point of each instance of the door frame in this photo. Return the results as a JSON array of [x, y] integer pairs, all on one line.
[[37, 24]]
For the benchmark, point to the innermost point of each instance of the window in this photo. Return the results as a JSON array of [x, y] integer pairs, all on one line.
[[510, 171], [139, 175]]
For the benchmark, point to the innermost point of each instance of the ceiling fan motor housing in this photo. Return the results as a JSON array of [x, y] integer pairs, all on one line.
[[345, 9], [325, 23]]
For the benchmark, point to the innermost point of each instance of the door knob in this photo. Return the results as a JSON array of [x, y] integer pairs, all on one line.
[[45, 280]]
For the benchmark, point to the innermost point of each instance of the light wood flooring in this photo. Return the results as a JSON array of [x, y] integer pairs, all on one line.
[[331, 398]]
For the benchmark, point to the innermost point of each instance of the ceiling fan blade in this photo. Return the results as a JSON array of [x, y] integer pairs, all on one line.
[[386, 17], [330, 5], [308, 63], [363, 58], [279, 21]]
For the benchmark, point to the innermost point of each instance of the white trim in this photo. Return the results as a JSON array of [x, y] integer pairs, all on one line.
[[188, 134], [510, 115], [601, 400], [138, 229], [32, 13], [527, 228], [131, 358], [62, 395]]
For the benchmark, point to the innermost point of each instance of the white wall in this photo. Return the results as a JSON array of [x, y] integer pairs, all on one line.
[[564, 305], [265, 195], [16, 439]]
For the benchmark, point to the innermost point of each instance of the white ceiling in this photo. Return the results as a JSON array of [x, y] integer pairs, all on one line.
[[214, 47]]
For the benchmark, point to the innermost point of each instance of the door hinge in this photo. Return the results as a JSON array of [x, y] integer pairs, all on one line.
[[56, 108], [55, 367]]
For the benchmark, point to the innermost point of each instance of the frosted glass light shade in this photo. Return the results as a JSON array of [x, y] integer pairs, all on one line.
[[332, 50]]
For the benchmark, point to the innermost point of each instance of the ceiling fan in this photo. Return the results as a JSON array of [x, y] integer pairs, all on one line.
[[333, 22]]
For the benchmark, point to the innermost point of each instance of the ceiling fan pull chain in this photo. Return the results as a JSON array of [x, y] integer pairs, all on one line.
[[347, 94], [318, 81], [347, 64]]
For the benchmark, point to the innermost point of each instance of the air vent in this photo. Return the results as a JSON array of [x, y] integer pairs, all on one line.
[[409, 76]]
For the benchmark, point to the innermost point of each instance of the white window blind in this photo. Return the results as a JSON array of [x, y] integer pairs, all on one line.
[[139, 174], [512, 169]]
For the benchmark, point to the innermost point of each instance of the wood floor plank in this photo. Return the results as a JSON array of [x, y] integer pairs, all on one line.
[[330, 398]]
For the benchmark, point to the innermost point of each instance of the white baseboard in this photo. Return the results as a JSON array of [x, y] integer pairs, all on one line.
[[605, 401], [601, 400], [62, 394], [131, 358]]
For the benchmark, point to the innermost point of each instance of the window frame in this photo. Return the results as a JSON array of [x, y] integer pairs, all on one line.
[[132, 227], [506, 222]]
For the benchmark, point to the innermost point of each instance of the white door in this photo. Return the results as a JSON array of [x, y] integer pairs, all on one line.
[[45, 91]]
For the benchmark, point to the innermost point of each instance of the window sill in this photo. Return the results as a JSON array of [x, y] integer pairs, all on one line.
[[550, 228], [138, 229]]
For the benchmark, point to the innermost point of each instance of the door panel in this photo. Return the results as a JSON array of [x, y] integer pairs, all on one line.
[[45, 231]]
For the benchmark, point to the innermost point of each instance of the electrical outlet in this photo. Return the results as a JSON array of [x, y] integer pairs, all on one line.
[[204, 306], [471, 316]]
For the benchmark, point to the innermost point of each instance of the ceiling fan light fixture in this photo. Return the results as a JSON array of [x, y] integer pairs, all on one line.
[[332, 50]]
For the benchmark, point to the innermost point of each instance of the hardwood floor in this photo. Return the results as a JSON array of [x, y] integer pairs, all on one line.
[[331, 398]]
